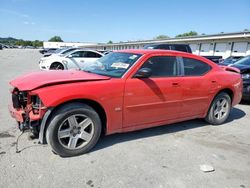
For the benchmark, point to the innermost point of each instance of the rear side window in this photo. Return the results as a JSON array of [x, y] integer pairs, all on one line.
[[92, 55], [162, 66], [78, 54], [193, 67]]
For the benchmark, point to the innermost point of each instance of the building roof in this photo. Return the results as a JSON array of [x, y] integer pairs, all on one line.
[[235, 35]]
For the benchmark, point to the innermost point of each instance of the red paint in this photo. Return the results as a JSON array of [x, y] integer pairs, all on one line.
[[132, 103]]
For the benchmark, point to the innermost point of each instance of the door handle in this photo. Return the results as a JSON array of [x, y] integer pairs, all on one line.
[[175, 84], [213, 81]]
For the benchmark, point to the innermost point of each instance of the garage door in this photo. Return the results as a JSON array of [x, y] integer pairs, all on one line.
[[220, 49], [239, 49], [248, 49], [194, 48], [205, 49]]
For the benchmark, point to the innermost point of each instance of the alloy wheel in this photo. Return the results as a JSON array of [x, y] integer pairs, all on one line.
[[221, 109], [76, 131]]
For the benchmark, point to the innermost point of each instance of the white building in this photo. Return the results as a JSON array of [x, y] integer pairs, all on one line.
[[226, 44]]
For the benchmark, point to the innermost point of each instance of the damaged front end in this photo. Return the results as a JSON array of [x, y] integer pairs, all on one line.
[[27, 109]]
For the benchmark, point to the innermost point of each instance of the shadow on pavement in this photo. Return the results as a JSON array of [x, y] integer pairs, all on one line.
[[110, 140]]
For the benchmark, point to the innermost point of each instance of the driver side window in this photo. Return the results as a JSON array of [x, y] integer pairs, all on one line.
[[162, 66]]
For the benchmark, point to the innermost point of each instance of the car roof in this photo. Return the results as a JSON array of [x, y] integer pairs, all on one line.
[[85, 49], [152, 51], [170, 44], [167, 52]]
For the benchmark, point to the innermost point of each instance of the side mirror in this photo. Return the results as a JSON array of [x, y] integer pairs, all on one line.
[[69, 56], [143, 73]]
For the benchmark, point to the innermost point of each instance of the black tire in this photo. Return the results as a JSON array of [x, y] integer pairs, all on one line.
[[58, 120], [56, 66], [212, 113]]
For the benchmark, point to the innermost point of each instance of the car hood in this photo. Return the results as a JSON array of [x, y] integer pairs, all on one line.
[[52, 56], [45, 78]]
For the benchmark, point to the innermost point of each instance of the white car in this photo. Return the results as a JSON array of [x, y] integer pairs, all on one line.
[[59, 51], [76, 59]]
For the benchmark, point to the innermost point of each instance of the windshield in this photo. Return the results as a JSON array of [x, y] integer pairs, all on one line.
[[58, 50], [67, 51], [231, 60], [114, 64], [244, 61]]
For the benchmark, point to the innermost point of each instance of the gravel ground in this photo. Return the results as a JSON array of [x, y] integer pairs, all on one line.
[[167, 156]]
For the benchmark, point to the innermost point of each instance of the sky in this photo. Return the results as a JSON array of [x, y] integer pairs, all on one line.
[[119, 20]]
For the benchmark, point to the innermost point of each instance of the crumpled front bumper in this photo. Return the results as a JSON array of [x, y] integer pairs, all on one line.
[[16, 114]]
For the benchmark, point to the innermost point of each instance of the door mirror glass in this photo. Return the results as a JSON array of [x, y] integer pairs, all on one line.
[[143, 73]]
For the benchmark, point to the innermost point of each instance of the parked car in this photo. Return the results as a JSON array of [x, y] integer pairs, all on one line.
[[60, 51], [230, 60], [1, 47], [76, 59], [47, 50], [176, 47], [215, 59], [244, 66], [123, 91]]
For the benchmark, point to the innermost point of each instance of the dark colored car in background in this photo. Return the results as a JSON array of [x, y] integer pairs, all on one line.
[[1, 47], [230, 60], [176, 47], [182, 48], [46, 50], [244, 66], [215, 59]]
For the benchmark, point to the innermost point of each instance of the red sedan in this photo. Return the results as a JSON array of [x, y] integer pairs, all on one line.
[[122, 91]]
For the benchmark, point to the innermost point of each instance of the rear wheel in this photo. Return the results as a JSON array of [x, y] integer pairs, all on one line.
[[74, 130], [219, 109], [56, 66]]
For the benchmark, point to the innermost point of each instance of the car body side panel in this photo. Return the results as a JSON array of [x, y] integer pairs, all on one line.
[[230, 80], [151, 100], [108, 93], [196, 94]]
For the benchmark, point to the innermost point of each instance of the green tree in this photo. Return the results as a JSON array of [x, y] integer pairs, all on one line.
[[19, 42], [160, 37], [37, 43], [56, 39], [188, 34], [110, 42]]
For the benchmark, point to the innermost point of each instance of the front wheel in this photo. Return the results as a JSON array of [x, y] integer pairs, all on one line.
[[74, 130], [219, 109], [56, 66]]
